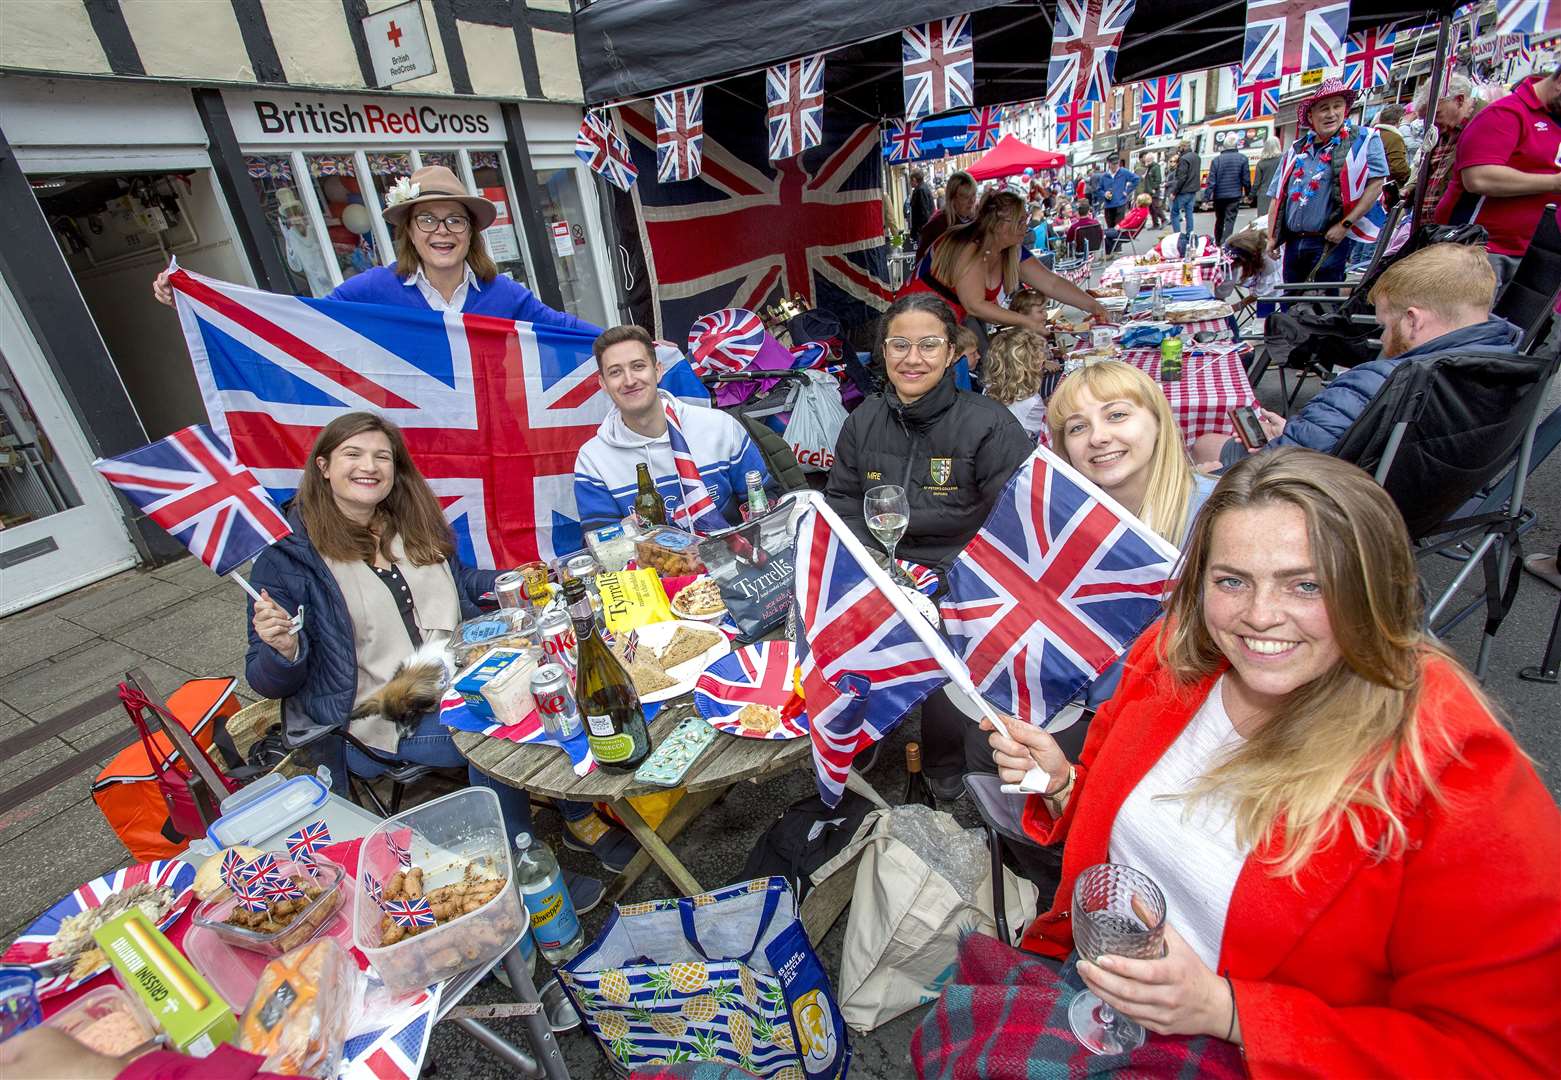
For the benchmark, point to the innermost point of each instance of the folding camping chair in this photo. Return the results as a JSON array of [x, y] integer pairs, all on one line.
[[1438, 431], [1130, 236], [1077, 261], [300, 731]]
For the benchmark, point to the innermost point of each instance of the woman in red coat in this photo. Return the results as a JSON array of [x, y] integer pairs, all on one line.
[[1362, 870]]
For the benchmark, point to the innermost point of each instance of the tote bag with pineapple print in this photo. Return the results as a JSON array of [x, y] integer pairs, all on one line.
[[726, 976]]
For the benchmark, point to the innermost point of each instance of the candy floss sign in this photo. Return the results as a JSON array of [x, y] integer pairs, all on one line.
[[302, 118]]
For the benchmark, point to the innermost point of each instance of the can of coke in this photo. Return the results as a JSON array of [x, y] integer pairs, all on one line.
[[555, 701], [558, 639]]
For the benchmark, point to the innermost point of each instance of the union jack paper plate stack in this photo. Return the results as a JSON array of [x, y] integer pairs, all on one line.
[[758, 674], [32, 947]]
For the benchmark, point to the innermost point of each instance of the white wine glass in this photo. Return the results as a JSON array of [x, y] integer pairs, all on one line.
[[1120, 911], [888, 513]]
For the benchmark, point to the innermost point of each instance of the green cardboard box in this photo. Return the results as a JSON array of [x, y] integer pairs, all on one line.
[[184, 1004]]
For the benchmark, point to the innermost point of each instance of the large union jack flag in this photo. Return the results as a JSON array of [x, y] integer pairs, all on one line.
[[1056, 585], [938, 65], [862, 665], [1287, 36], [191, 484], [680, 133], [1161, 110], [904, 141], [1256, 97], [794, 101], [1531, 17], [749, 230], [493, 411], [1367, 57], [1074, 121], [986, 124], [1084, 48], [599, 147]]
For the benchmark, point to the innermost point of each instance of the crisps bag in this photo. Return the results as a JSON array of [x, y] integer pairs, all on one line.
[[754, 568], [127, 790], [727, 976]]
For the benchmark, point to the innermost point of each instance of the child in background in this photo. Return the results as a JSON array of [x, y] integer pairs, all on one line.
[[1030, 302], [967, 350], [1017, 364]]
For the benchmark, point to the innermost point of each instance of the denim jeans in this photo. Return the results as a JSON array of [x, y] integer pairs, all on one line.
[[1181, 210], [1302, 254]]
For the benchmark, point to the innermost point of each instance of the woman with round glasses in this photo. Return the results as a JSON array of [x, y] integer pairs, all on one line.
[[441, 262]]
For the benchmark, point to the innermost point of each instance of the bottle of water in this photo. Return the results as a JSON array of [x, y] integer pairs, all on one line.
[[553, 920]]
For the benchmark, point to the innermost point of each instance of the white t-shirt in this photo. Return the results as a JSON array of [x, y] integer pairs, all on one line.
[[1031, 412], [1191, 853]]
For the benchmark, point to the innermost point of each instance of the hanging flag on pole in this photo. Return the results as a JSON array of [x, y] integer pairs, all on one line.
[[1256, 97], [1084, 48], [1075, 119], [1531, 17], [905, 141], [1160, 112], [680, 134], [1367, 57], [938, 67], [985, 127], [794, 95], [600, 148], [1288, 36]]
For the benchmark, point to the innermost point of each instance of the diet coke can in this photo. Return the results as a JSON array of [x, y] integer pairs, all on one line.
[[555, 701], [558, 639], [510, 589]]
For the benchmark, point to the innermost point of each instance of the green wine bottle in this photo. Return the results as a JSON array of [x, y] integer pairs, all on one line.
[[614, 720]]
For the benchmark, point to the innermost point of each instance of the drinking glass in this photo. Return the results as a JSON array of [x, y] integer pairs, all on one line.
[[1121, 911], [1129, 290], [887, 513]]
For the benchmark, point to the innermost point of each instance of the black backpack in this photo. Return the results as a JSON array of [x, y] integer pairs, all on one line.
[[805, 837]]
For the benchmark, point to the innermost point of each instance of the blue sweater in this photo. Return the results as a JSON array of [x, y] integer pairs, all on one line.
[[1230, 175], [503, 297]]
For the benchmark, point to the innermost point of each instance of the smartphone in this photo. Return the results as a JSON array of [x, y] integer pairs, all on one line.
[[668, 762], [1248, 430]]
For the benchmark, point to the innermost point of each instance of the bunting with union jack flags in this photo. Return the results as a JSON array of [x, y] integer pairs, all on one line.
[[493, 411], [1056, 585], [938, 66], [1531, 17], [794, 101], [1367, 57], [986, 125], [1074, 121], [680, 133], [1284, 37], [599, 147], [1256, 97], [1084, 48], [191, 484], [904, 140], [1160, 111]]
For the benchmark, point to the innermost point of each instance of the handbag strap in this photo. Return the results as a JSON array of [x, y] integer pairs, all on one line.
[[135, 702], [183, 742], [686, 909]]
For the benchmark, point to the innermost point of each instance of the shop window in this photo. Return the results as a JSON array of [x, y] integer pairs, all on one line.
[[562, 211], [291, 230], [502, 238], [441, 157], [349, 222]]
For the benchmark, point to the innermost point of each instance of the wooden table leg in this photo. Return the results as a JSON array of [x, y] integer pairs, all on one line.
[[653, 842]]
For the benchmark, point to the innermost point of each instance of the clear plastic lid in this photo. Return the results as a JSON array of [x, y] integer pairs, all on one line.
[[268, 814]]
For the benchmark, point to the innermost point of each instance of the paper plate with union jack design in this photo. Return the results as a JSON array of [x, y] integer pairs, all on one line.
[[758, 674], [31, 949]]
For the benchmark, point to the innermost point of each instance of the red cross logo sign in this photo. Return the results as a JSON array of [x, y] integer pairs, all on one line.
[[395, 34]]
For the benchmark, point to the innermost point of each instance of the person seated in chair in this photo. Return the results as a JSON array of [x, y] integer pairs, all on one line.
[[1436, 300], [638, 431], [1083, 219], [1358, 861], [371, 561], [1131, 221]]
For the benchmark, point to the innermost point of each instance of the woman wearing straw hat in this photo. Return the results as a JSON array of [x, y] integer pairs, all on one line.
[[441, 262], [1311, 218]]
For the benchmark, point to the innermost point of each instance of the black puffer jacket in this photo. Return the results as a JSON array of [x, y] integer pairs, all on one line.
[[952, 451]]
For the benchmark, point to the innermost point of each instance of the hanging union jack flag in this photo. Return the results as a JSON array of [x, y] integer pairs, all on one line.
[[862, 665], [1256, 97], [986, 125], [599, 147], [794, 100], [1531, 17], [494, 411], [1288, 36], [1056, 585], [1367, 57], [904, 141], [1074, 121], [938, 65], [1084, 48], [1160, 112], [191, 484], [680, 133]]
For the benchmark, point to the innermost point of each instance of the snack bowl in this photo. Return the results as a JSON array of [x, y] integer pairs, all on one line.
[[683, 612], [213, 914], [110, 1020]]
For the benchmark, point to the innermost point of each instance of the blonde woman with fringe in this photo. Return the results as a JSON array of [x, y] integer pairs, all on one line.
[[972, 265], [1360, 865]]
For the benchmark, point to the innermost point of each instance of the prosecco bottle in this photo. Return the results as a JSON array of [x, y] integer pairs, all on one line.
[[648, 503], [614, 720]]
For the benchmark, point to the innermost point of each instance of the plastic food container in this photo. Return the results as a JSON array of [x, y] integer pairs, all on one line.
[[108, 1020], [266, 814], [307, 924], [444, 837]]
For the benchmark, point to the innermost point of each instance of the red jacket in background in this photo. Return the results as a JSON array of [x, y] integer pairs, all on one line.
[[1445, 961]]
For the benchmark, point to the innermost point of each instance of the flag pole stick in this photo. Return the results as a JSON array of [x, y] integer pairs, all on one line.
[[1037, 779], [253, 595]]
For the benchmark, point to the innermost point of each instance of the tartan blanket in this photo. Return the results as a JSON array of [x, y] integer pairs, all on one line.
[[1004, 1015]]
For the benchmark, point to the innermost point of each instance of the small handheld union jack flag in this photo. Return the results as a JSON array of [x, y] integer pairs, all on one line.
[[309, 863], [401, 851], [259, 868], [232, 863], [277, 888], [607, 155], [794, 100], [250, 896], [680, 134], [309, 839], [375, 890], [191, 484], [410, 913]]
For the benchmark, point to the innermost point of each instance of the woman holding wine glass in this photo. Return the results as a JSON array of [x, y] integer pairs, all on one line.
[[1358, 863]]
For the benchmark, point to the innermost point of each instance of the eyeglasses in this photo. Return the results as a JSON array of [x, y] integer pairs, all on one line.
[[456, 223], [929, 347]]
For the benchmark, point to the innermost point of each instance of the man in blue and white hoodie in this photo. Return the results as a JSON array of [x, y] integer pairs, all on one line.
[[636, 432]]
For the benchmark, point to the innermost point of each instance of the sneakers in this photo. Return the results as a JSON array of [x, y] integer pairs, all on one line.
[[612, 845], [584, 892], [947, 788]]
